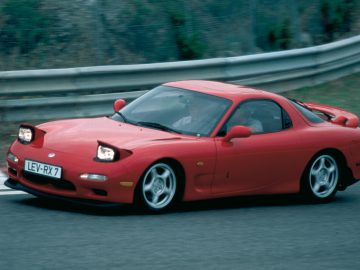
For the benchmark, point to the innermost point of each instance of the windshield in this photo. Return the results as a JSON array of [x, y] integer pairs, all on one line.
[[175, 110]]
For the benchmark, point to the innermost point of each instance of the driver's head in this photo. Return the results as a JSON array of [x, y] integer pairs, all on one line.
[[241, 114], [193, 106]]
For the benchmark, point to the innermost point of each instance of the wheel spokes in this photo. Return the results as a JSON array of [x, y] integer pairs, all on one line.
[[320, 164], [148, 184], [155, 198], [159, 186], [167, 191], [327, 186], [323, 176], [165, 175], [154, 174], [331, 169], [316, 187]]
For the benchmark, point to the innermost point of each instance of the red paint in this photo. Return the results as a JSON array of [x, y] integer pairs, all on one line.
[[340, 117]]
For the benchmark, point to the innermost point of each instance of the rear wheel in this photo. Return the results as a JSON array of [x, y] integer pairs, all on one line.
[[157, 189], [321, 178]]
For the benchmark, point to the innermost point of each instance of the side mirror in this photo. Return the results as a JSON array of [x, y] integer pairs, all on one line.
[[119, 104], [237, 132]]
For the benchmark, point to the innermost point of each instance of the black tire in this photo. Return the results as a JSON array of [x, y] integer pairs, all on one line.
[[320, 180]]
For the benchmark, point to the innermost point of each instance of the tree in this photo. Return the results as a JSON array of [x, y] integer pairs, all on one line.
[[280, 37], [189, 45], [336, 17]]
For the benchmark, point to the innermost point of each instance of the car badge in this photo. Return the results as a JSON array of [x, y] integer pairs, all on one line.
[[51, 155]]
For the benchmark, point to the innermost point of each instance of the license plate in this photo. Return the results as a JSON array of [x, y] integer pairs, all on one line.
[[43, 169]]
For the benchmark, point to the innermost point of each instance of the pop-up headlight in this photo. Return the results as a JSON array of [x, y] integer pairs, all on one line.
[[106, 153], [25, 135]]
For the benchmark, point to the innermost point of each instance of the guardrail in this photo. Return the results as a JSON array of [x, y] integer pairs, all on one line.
[[74, 92]]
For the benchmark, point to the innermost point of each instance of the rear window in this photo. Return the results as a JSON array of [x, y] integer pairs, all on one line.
[[307, 113]]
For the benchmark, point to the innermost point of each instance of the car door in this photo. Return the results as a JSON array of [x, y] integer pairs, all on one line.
[[263, 162]]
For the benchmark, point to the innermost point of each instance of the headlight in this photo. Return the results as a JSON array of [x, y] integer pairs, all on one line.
[[25, 134], [106, 153]]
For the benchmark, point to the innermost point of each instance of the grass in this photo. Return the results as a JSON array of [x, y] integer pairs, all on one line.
[[343, 93]]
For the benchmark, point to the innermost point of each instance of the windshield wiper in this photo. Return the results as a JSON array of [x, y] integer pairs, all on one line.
[[157, 126], [123, 117]]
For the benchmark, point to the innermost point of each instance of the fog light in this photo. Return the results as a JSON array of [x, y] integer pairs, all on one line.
[[93, 177], [12, 157]]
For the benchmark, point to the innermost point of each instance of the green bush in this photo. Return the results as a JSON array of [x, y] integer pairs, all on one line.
[[23, 25], [280, 36], [189, 45], [336, 17]]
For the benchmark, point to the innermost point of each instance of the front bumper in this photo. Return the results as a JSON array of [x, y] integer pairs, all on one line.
[[71, 185], [18, 186]]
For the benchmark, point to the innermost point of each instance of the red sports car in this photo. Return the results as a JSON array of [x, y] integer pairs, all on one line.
[[190, 140]]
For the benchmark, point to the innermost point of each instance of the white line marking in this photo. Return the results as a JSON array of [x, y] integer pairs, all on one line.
[[4, 190], [3, 178], [11, 192]]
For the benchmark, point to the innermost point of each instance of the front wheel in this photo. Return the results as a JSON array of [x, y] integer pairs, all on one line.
[[157, 189], [321, 178]]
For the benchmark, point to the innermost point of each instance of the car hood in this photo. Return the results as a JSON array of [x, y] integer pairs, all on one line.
[[82, 135]]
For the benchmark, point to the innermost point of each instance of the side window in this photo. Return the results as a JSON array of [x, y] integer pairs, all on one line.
[[309, 115], [286, 120], [262, 116]]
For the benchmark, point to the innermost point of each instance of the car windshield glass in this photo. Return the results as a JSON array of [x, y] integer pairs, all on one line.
[[175, 110], [306, 112]]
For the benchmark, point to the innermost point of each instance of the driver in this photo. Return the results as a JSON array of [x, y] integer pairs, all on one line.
[[196, 117], [242, 116]]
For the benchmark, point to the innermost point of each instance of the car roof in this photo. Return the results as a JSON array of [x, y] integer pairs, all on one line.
[[233, 92]]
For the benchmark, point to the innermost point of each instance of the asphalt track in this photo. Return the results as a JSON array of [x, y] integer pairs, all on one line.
[[277, 232]]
